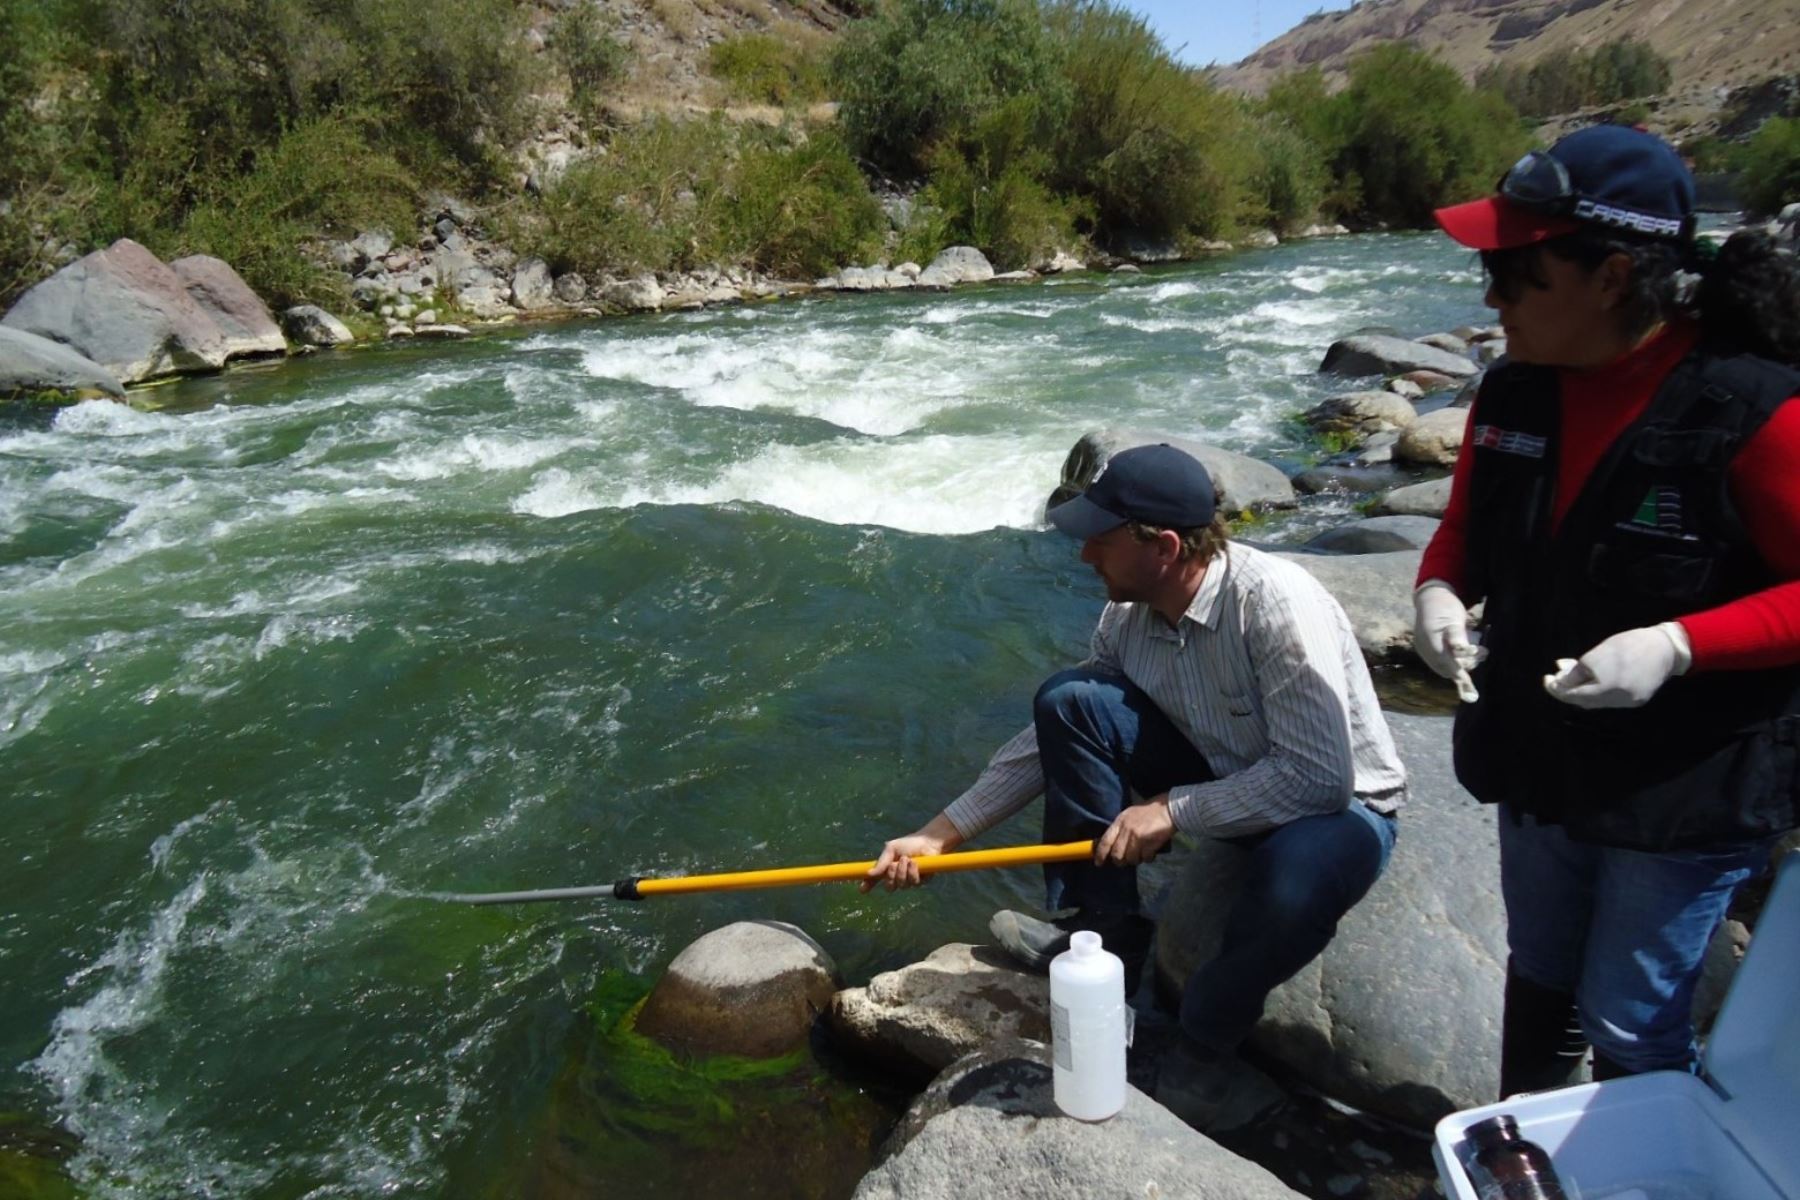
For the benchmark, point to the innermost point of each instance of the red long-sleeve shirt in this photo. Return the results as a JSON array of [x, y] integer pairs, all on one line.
[[1758, 630]]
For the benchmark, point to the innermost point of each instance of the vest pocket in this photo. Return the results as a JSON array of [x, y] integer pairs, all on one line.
[[1641, 567]]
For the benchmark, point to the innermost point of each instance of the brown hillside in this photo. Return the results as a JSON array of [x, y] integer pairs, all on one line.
[[669, 42], [1711, 44]]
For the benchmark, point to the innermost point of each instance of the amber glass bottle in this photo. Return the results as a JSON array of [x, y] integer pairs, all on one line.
[[1507, 1167]]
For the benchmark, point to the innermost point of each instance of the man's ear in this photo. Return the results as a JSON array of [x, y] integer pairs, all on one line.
[[1168, 545], [1614, 278]]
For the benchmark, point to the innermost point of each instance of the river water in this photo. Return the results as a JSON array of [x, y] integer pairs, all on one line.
[[692, 592]]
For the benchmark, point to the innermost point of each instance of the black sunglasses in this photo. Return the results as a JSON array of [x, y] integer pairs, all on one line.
[[1540, 183]]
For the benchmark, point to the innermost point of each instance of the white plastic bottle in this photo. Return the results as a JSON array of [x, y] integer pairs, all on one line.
[[1087, 1029]]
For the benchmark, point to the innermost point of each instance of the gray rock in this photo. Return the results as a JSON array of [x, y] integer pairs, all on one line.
[[639, 294], [531, 286], [1431, 381], [1405, 388], [122, 308], [1434, 439], [1449, 343], [1248, 485], [1376, 535], [1375, 591], [428, 317], [570, 288], [1379, 354], [1061, 262], [957, 264], [1356, 477], [445, 229], [923, 1017], [1377, 451], [486, 302], [442, 333], [1417, 500], [1491, 351], [1127, 269], [1361, 412], [1015, 277], [31, 364], [243, 318], [1262, 239], [313, 326], [753, 988], [989, 1127], [372, 244]]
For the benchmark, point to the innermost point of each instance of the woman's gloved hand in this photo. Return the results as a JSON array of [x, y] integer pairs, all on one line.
[[1441, 636], [1623, 671]]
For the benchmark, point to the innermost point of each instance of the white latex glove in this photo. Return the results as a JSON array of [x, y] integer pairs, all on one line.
[[1441, 636], [1625, 670]]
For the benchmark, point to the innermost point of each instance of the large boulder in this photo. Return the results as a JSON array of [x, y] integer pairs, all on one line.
[[1379, 354], [641, 293], [124, 309], [1401, 1014], [753, 988], [957, 264], [248, 326], [1248, 485], [923, 1017], [989, 1127], [1375, 591], [1435, 439], [31, 365], [532, 287]]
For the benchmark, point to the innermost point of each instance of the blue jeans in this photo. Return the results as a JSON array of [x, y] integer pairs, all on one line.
[[1624, 931], [1100, 738]]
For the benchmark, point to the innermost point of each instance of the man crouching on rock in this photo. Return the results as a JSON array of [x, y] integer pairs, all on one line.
[[1225, 686]]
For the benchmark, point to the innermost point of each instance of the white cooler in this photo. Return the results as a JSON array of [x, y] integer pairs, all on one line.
[[1732, 1133]]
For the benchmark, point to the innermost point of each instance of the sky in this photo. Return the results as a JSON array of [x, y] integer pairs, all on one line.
[[1224, 32]]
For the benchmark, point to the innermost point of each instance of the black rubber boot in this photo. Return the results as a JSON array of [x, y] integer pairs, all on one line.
[[1541, 1043], [1033, 942]]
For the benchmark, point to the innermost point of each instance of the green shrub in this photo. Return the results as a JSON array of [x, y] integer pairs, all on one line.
[[673, 195], [1404, 137], [1565, 80], [323, 176], [801, 210], [988, 190], [581, 39], [1147, 141], [1771, 166], [1289, 179], [921, 72], [759, 68]]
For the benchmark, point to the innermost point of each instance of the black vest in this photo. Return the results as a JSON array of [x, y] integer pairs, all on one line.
[[1653, 536]]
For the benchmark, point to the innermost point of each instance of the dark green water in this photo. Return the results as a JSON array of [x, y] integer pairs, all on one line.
[[709, 591]]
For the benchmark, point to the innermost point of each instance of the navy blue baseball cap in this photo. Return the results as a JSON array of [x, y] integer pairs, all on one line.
[[1605, 176], [1153, 485]]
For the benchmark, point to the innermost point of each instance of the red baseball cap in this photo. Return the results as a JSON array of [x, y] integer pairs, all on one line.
[[1496, 223]]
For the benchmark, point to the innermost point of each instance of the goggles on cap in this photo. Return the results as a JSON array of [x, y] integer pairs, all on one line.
[[1541, 183]]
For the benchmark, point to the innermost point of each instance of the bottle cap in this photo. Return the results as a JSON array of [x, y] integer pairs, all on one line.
[[1494, 1131], [1085, 943]]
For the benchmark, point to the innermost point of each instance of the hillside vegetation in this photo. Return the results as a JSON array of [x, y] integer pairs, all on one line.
[[671, 135]]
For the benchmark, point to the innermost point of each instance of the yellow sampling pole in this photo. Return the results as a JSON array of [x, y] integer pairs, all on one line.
[[735, 881]]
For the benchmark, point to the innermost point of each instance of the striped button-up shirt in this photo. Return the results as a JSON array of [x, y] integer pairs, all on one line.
[[1263, 676]]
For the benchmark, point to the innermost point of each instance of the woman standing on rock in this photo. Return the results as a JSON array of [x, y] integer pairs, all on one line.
[[1628, 508]]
